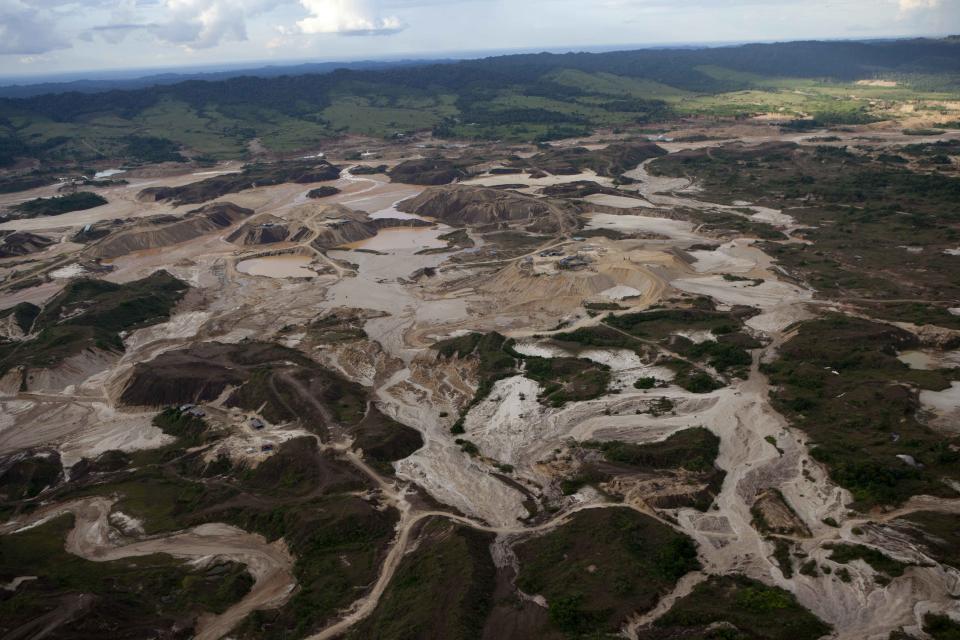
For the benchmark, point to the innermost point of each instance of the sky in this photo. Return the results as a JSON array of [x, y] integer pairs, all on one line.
[[39, 37]]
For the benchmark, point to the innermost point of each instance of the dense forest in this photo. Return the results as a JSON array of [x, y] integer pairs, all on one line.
[[541, 95]]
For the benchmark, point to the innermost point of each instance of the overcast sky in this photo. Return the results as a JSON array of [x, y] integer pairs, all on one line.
[[52, 36]]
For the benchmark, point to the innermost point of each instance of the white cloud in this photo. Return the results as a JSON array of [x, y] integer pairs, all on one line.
[[915, 5], [200, 24], [28, 27], [347, 17]]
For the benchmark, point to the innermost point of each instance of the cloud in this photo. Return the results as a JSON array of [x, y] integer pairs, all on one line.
[[348, 17], [916, 5], [192, 24], [28, 28]]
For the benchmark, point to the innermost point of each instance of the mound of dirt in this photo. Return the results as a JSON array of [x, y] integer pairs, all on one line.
[[339, 233], [463, 206], [21, 243], [267, 230], [165, 231], [256, 175], [428, 171]]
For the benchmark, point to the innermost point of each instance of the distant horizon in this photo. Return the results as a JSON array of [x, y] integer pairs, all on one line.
[[43, 39], [140, 73]]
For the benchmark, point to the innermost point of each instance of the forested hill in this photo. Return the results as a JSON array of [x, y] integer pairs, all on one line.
[[522, 96]]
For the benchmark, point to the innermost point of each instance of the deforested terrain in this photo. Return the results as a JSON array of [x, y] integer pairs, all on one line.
[[690, 374]]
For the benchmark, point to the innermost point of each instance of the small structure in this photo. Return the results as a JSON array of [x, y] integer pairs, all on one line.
[[257, 423], [197, 412], [573, 262]]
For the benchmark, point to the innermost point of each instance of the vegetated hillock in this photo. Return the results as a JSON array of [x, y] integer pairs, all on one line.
[[168, 230], [57, 205], [322, 192], [567, 379], [253, 175], [611, 161], [839, 380], [443, 589], [463, 206], [747, 608], [428, 171], [384, 440], [603, 566], [88, 315]]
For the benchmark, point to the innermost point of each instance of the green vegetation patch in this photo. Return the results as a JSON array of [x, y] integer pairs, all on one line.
[[442, 590], [881, 563], [151, 149], [756, 611], [602, 566], [567, 379], [839, 380], [58, 205], [691, 449], [941, 626]]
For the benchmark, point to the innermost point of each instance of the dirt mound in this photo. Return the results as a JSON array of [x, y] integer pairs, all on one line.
[[164, 231], [479, 206], [256, 175], [344, 232], [266, 230], [21, 243], [428, 171]]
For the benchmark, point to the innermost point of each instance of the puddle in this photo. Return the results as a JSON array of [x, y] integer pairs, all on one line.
[[69, 271], [404, 239], [99, 175], [676, 229], [918, 360], [278, 267], [929, 360]]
